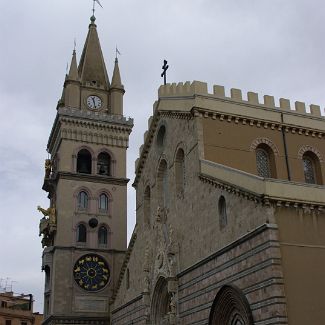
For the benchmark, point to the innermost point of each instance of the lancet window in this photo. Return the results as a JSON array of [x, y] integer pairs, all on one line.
[[84, 162]]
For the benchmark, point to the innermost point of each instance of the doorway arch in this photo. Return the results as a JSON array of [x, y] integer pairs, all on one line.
[[230, 307]]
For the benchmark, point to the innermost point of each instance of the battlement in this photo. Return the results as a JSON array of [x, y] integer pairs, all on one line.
[[189, 89]]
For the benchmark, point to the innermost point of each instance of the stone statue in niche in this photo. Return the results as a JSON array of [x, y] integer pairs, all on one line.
[[48, 168]]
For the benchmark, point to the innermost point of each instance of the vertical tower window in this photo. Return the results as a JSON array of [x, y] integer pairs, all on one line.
[[146, 205], [84, 162], [102, 236], [180, 172], [222, 208], [104, 164], [83, 200], [81, 233], [103, 202]]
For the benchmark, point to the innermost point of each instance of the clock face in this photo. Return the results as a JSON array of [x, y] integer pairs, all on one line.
[[94, 102], [91, 272]]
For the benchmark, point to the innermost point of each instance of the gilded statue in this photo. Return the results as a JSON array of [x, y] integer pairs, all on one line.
[[50, 212]]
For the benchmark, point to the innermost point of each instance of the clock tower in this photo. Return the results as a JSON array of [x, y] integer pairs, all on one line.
[[85, 227]]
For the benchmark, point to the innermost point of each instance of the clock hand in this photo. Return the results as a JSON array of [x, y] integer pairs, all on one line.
[[93, 98]]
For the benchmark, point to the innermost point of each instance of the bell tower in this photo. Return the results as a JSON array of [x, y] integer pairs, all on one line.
[[84, 230]]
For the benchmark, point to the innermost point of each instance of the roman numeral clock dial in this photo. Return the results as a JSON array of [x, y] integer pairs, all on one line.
[[94, 102]]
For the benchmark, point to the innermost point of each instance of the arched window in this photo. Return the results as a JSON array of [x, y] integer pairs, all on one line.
[[82, 200], [222, 208], [84, 162], [146, 206], [81, 233], [103, 202], [161, 136], [102, 236], [265, 161], [104, 164], [163, 184], [180, 172], [312, 169], [47, 277]]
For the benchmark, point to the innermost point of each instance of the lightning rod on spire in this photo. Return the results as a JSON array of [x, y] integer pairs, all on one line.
[[94, 3]]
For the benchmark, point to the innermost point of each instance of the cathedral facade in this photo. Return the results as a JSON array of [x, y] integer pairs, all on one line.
[[229, 207], [230, 213]]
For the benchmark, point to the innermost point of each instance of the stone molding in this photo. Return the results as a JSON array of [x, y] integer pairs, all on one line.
[[263, 191], [232, 118], [95, 116], [267, 141], [306, 148]]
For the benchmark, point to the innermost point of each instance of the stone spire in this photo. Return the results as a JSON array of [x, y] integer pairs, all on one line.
[[116, 91], [116, 80], [92, 67], [73, 73]]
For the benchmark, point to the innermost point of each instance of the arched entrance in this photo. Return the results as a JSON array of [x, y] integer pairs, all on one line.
[[230, 307]]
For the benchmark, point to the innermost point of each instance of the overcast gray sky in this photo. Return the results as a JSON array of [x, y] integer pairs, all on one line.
[[273, 47]]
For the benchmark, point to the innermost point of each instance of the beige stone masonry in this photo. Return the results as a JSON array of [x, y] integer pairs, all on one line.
[[273, 189]]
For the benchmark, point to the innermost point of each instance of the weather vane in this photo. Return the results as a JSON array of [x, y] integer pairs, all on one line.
[[94, 3]]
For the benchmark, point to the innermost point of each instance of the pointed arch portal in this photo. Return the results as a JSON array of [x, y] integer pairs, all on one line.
[[230, 307]]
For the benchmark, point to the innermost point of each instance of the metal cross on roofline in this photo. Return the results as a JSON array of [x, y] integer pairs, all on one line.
[[94, 2], [164, 73]]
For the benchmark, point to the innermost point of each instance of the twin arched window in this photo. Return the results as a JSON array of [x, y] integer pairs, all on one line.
[[83, 202], [82, 235], [84, 163]]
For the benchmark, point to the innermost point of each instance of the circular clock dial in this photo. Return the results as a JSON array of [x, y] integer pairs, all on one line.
[[91, 272], [94, 102]]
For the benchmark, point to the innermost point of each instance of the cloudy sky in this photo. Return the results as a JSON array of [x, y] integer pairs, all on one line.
[[273, 47]]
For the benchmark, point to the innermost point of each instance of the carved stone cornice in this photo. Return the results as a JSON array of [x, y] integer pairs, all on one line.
[[260, 198], [259, 123], [106, 128], [90, 178]]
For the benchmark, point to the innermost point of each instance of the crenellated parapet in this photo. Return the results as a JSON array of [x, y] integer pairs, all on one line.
[[189, 89], [193, 100]]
